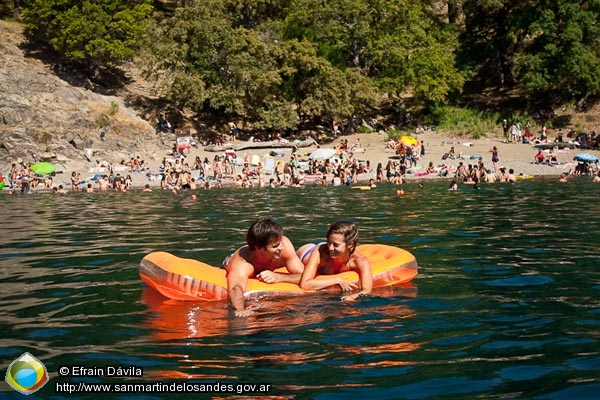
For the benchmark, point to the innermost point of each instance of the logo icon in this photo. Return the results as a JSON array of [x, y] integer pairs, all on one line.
[[26, 374]]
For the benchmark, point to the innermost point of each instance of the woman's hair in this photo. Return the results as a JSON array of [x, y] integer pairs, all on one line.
[[348, 230], [262, 232]]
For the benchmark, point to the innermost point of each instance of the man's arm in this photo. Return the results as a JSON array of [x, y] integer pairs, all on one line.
[[237, 279], [291, 262]]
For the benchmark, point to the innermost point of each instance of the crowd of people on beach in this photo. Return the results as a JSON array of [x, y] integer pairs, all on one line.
[[343, 166]]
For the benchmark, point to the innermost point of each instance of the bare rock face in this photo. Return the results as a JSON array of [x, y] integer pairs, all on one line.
[[43, 118]]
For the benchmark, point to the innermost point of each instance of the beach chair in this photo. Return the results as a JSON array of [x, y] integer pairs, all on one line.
[[269, 166]]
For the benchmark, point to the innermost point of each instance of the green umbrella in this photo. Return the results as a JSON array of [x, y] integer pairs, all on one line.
[[43, 168]]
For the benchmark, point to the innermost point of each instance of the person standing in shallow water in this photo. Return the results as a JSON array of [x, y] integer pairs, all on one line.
[[495, 158], [336, 255]]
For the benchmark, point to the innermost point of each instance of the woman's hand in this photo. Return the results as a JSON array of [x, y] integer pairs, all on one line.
[[346, 286]]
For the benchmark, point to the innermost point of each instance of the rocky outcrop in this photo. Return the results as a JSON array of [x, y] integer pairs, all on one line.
[[43, 118]]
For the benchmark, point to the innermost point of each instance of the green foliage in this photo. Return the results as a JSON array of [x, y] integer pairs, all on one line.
[[549, 46], [114, 108], [465, 121], [396, 133], [276, 64], [102, 121], [563, 54], [99, 35], [8, 8]]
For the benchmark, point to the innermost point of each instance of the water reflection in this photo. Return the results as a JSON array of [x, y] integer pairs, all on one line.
[[279, 321], [507, 283]]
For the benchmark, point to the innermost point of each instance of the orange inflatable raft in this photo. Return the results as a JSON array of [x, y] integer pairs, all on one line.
[[187, 279]]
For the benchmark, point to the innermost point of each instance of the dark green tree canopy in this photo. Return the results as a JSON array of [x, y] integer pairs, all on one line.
[[280, 64], [275, 64], [98, 35]]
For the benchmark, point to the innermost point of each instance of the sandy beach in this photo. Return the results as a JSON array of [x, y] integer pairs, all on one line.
[[516, 156]]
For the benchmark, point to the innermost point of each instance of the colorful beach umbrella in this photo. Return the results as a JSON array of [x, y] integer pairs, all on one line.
[[43, 168], [408, 140], [322, 154]]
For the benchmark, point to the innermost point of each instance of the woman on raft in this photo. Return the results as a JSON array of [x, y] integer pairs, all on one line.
[[333, 257]]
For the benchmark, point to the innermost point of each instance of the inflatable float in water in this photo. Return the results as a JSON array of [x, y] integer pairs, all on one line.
[[187, 279]]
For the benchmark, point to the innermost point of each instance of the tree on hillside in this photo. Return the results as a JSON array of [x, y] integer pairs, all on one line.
[[494, 33], [211, 63], [546, 46], [277, 64], [98, 35], [561, 54], [400, 45], [10, 8]]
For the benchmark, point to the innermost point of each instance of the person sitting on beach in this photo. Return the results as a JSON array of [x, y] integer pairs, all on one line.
[[552, 160], [48, 182], [443, 171], [461, 171], [430, 168], [452, 153], [539, 157], [336, 255], [357, 146], [596, 178], [267, 249]]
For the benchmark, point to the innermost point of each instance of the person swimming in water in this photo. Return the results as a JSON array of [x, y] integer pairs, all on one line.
[[336, 255], [267, 249]]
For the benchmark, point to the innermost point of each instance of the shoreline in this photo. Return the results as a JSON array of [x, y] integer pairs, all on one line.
[[516, 156]]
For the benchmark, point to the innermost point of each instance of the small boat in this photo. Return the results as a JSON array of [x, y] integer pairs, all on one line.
[[187, 279]]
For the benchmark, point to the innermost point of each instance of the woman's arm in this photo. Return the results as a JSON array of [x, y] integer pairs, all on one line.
[[308, 280], [363, 267]]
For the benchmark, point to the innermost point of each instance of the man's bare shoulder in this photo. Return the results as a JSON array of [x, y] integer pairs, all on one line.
[[240, 261]]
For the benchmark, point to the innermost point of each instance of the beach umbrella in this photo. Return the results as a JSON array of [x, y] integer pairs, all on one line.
[[43, 167], [586, 157], [322, 154], [408, 140]]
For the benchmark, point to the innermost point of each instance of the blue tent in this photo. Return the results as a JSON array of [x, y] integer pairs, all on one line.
[[586, 157]]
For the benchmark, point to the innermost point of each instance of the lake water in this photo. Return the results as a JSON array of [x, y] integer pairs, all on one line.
[[506, 303]]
